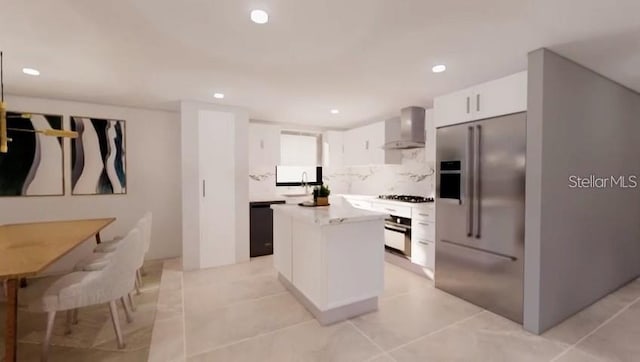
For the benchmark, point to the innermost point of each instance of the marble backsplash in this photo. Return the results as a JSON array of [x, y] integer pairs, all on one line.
[[414, 176]]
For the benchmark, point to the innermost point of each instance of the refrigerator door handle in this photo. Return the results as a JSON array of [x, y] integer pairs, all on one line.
[[470, 180], [477, 186]]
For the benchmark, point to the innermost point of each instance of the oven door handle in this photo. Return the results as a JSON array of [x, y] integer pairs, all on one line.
[[398, 228]]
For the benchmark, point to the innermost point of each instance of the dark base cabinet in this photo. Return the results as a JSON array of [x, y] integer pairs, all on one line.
[[261, 228]]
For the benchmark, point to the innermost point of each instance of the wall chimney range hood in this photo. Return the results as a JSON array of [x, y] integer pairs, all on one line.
[[408, 131]]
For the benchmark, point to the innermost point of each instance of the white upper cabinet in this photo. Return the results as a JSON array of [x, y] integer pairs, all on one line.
[[333, 150], [499, 97], [452, 108], [354, 147], [363, 145], [376, 138], [502, 96], [264, 146]]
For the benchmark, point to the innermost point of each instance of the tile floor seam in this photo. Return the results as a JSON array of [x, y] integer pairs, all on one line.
[[388, 298], [248, 277], [247, 300], [184, 319], [382, 351], [84, 348], [595, 329], [249, 338], [435, 332]]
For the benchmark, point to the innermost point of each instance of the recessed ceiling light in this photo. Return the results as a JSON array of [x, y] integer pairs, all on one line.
[[259, 16], [218, 95], [30, 71], [335, 111], [439, 68]]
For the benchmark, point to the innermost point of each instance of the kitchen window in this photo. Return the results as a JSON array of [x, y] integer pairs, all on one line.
[[300, 157], [300, 148]]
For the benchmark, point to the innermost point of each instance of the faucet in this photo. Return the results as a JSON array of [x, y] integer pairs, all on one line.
[[305, 182]]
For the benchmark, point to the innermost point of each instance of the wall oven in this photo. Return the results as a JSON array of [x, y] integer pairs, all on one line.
[[397, 234]]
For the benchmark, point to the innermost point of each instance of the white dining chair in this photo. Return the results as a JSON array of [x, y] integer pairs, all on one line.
[[85, 288], [102, 252]]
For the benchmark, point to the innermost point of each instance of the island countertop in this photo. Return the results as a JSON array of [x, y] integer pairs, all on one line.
[[337, 213]]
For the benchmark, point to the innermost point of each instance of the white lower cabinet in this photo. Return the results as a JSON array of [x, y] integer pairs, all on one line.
[[423, 229], [282, 255], [423, 252], [391, 209], [423, 236]]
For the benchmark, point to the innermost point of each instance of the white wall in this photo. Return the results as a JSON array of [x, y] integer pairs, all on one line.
[[153, 176], [580, 244], [195, 242]]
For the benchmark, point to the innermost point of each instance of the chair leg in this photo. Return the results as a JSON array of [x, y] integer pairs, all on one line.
[[51, 317], [139, 276], [137, 285], [116, 323], [131, 302], [127, 312], [75, 316], [68, 322]]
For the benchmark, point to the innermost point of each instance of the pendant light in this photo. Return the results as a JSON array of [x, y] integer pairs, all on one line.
[[4, 140]]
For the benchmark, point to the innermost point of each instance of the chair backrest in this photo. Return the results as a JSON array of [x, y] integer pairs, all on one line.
[[147, 237], [144, 224], [118, 277]]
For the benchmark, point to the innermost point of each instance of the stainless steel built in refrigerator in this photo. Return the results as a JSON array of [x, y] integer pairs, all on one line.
[[480, 212]]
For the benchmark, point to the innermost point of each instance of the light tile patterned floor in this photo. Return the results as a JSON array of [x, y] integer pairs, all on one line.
[[92, 339], [241, 313]]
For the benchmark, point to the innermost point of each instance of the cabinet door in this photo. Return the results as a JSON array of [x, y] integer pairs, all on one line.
[[256, 156], [349, 148], [264, 146], [423, 252], [452, 108], [333, 150], [500, 97], [282, 229], [355, 147], [375, 137], [217, 167]]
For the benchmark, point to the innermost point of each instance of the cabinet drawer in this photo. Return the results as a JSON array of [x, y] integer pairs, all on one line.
[[423, 252], [423, 229], [403, 211], [423, 214]]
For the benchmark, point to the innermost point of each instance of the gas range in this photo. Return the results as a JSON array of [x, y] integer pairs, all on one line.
[[407, 198]]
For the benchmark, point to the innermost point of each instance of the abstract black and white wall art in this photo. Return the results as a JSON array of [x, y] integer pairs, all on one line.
[[98, 157], [34, 164]]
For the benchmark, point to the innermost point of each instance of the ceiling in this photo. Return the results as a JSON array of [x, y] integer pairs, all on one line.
[[367, 58]]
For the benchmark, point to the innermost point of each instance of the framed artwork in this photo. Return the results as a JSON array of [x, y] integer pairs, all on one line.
[[34, 165], [98, 156]]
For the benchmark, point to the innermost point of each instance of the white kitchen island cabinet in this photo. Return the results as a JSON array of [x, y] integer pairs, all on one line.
[[331, 258]]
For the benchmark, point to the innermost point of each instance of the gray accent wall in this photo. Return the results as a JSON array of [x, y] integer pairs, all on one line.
[[580, 243]]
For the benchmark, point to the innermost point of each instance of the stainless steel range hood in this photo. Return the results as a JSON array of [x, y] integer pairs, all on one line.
[[406, 132]]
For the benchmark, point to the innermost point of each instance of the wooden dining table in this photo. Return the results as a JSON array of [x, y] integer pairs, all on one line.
[[27, 249]]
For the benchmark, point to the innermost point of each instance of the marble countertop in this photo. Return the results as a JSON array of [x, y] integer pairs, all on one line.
[[337, 213], [372, 198]]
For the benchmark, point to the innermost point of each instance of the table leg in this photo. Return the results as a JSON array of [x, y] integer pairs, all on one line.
[[10, 337], [98, 240]]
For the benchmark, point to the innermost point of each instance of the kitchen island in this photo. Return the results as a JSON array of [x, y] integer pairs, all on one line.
[[331, 258]]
